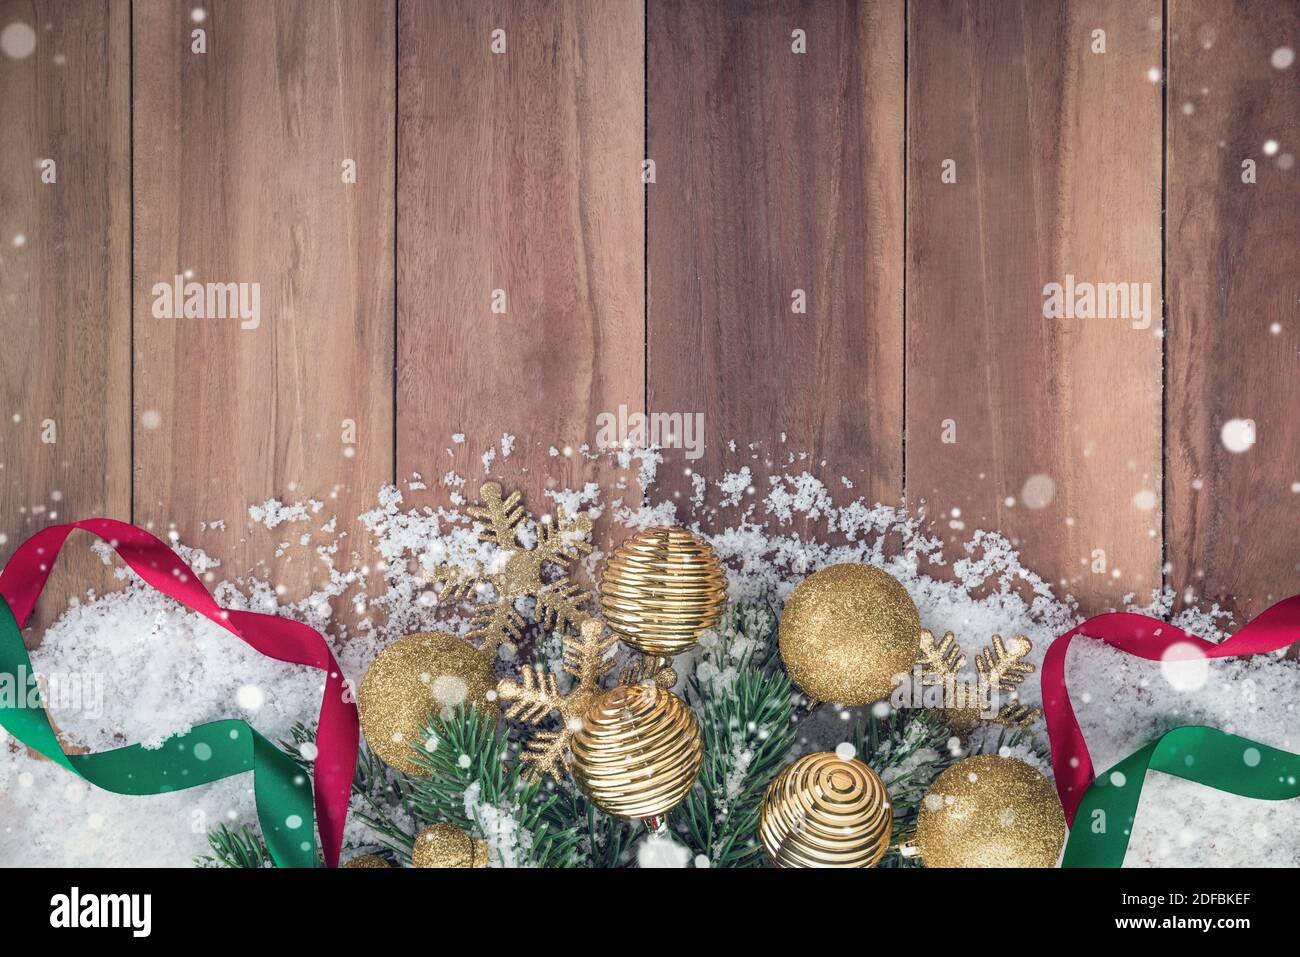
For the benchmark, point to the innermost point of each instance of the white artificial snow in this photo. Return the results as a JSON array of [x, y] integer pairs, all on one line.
[[162, 670], [574, 502], [733, 486], [508, 843], [159, 671], [699, 485], [272, 512], [660, 850]]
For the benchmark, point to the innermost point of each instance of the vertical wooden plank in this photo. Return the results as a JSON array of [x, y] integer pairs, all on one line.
[[1234, 303], [64, 275], [239, 156], [519, 185], [777, 171], [1048, 429]]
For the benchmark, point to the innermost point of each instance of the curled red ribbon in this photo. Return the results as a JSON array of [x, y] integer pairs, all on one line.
[[338, 734], [1147, 638]]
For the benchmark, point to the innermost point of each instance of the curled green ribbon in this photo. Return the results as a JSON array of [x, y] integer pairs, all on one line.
[[1104, 822], [210, 752]]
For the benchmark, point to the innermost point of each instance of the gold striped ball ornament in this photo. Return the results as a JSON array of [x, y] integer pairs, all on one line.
[[662, 589], [846, 631], [422, 676], [638, 751], [990, 811], [825, 811], [445, 845], [365, 861]]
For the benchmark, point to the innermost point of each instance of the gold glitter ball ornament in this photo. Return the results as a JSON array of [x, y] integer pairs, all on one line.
[[445, 845], [638, 751], [661, 589], [990, 811], [824, 811], [415, 678], [846, 631], [367, 861]]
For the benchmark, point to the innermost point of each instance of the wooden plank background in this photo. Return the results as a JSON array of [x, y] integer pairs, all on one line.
[[1046, 429], [65, 299], [238, 164], [518, 177], [1233, 267], [778, 173], [796, 145]]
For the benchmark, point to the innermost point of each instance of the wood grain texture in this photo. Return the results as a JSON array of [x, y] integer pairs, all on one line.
[[518, 171], [238, 172], [64, 278], [778, 171], [1058, 164], [1234, 304], [774, 171]]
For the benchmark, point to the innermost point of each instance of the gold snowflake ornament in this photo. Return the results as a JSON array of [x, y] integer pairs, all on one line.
[[537, 694], [519, 572], [1000, 669]]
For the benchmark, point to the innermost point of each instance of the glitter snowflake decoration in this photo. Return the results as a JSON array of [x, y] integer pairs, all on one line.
[[517, 573], [537, 695], [1001, 667]]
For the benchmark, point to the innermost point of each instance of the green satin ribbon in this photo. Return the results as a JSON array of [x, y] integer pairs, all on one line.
[[1225, 762], [282, 791]]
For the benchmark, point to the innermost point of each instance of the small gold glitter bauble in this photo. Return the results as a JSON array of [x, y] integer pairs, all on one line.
[[990, 811], [823, 811], [638, 751], [367, 860], [846, 632], [662, 589], [415, 678], [445, 845]]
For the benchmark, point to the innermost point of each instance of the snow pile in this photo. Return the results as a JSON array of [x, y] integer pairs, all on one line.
[[147, 669], [660, 850], [160, 670]]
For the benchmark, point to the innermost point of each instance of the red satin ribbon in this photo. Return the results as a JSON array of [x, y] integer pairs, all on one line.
[[25, 576], [1147, 638]]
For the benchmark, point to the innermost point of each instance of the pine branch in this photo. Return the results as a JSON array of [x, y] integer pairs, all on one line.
[[472, 784], [908, 749], [604, 841], [745, 706], [556, 826], [466, 750], [747, 736], [377, 789], [242, 849]]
